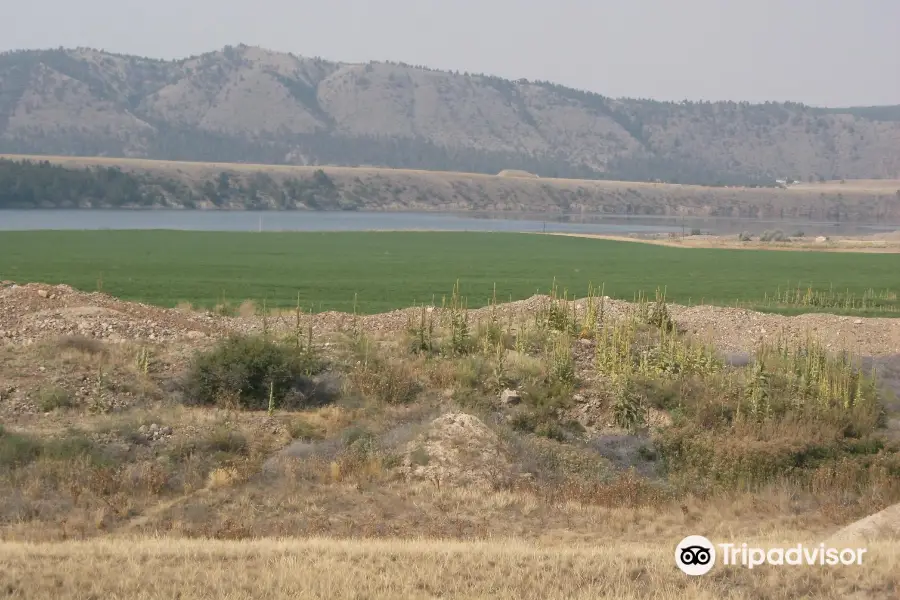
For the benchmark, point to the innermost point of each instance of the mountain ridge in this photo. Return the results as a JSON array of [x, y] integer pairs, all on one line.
[[248, 104]]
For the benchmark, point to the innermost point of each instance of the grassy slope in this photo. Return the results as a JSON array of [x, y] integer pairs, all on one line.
[[392, 270]]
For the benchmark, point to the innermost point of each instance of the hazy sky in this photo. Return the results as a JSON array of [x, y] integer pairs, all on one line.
[[820, 52]]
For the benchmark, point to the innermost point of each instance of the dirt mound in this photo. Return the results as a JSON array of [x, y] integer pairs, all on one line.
[[736, 330], [33, 312], [882, 526], [457, 449]]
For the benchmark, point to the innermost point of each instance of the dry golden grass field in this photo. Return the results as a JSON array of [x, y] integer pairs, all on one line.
[[148, 568]]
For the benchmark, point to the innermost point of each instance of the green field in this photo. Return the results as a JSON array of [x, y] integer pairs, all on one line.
[[395, 270]]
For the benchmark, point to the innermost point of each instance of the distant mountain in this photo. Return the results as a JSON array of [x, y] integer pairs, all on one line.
[[246, 104]]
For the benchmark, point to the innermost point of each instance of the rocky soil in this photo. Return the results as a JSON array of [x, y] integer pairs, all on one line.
[[457, 449], [31, 313], [49, 320]]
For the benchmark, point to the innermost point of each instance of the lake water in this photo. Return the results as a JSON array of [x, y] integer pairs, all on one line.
[[196, 220]]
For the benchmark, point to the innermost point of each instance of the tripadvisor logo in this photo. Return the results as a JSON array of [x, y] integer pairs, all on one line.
[[696, 555]]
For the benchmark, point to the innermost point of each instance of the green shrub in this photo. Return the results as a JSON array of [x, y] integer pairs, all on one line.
[[544, 409], [544, 422], [551, 430], [658, 315], [562, 366], [224, 442], [75, 444], [629, 409], [745, 236], [795, 413], [244, 370], [471, 372], [301, 429], [51, 398], [385, 380], [357, 435], [360, 444], [17, 450]]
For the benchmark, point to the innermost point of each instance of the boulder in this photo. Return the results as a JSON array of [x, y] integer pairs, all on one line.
[[510, 397]]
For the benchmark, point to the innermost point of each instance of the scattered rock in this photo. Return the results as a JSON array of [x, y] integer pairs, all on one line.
[[510, 397], [737, 359], [43, 293]]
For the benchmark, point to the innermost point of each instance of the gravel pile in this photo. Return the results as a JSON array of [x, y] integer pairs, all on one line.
[[32, 312]]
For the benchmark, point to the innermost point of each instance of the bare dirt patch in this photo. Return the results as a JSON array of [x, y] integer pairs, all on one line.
[[883, 526], [515, 173], [874, 244], [456, 449]]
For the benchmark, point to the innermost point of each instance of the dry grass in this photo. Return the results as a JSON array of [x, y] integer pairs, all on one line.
[[327, 568]]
